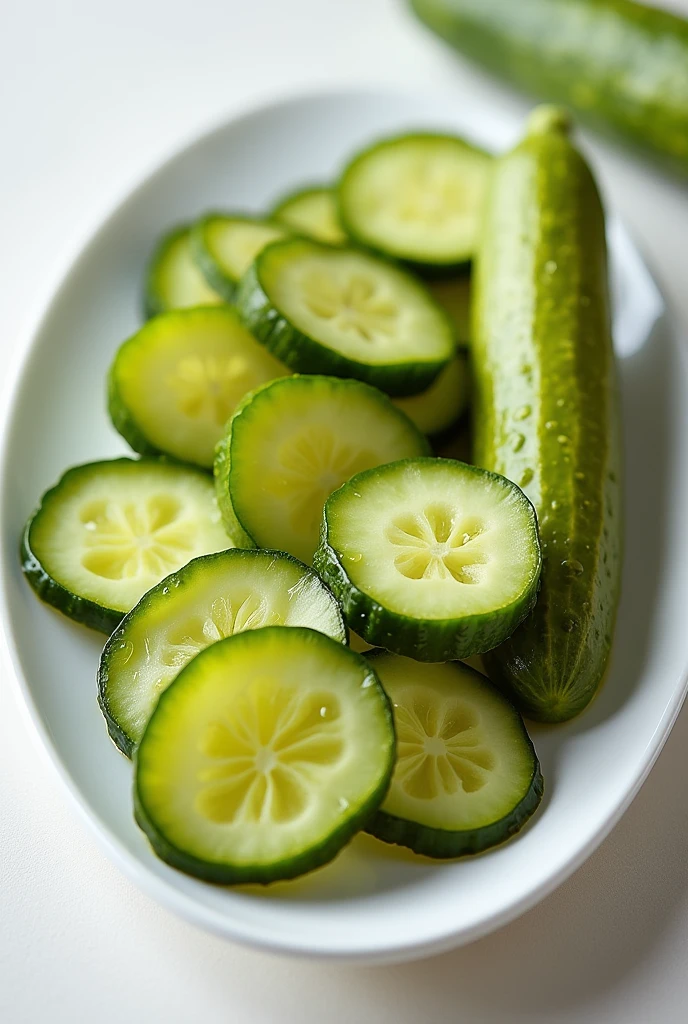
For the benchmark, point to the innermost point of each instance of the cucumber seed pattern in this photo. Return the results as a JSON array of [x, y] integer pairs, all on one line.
[[266, 753], [439, 544], [125, 540], [223, 619], [352, 303], [209, 387]]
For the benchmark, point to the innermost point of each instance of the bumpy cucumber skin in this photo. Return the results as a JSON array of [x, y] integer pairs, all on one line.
[[166, 589], [81, 609], [428, 269], [308, 860], [218, 279], [304, 354], [545, 410], [420, 639], [590, 55]]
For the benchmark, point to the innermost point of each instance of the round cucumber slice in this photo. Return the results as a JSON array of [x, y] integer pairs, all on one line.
[[293, 442], [312, 212], [327, 309], [466, 776], [224, 245], [109, 531], [431, 558], [175, 383], [213, 597], [454, 296], [417, 198], [444, 402], [264, 757], [173, 280]]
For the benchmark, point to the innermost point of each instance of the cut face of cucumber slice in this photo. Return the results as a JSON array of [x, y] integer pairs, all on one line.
[[431, 558], [312, 212], [439, 406], [265, 755], [292, 443], [173, 280], [209, 599], [174, 384], [418, 198], [225, 245], [454, 296], [467, 776], [109, 531], [322, 309]]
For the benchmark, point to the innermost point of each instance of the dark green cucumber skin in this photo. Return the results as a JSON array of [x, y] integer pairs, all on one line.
[[207, 264], [308, 860], [304, 354], [546, 412], [152, 303], [122, 421], [81, 609], [160, 592], [588, 54], [442, 844], [420, 639]]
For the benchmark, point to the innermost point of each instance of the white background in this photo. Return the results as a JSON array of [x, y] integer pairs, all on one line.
[[92, 94]]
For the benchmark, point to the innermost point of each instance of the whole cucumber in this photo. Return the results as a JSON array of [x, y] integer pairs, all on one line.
[[545, 408], [621, 65]]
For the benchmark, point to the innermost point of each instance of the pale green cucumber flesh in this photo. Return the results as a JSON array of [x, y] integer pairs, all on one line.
[[545, 411], [341, 311], [173, 281], [212, 597], [312, 212], [307, 435], [437, 408], [109, 531], [430, 558], [264, 757], [417, 198], [175, 383], [224, 245], [466, 776]]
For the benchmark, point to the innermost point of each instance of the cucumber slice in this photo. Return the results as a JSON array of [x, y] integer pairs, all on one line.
[[173, 280], [109, 531], [454, 296], [225, 245], [173, 385], [264, 757], [326, 309], [467, 776], [431, 558], [312, 212], [212, 597], [294, 441], [444, 402], [417, 198]]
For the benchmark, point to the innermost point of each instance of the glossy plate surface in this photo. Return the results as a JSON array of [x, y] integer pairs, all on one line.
[[372, 904]]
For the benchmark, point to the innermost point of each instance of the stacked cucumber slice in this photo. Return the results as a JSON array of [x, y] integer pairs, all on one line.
[[306, 355]]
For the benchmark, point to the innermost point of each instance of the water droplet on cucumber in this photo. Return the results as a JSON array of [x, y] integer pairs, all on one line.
[[526, 476], [573, 565], [517, 442], [523, 413]]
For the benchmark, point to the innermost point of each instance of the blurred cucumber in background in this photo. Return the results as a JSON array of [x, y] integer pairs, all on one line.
[[622, 65]]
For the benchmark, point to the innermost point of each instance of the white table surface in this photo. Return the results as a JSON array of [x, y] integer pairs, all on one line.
[[92, 94]]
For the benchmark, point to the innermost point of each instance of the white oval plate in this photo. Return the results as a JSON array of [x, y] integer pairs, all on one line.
[[371, 904]]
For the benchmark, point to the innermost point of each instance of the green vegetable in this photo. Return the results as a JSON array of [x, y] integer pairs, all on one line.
[[263, 758], [224, 246], [312, 212], [467, 776], [333, 310], [454, 296], [622, 65], [291, 443], [430, 558], [212, 597], [175, 383], [545, 409], [109, 531], [438, 407], [173, 280], [417, 198]]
